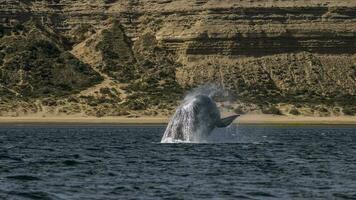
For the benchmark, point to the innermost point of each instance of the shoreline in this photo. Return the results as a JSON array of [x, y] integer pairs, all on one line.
[[249, 119]]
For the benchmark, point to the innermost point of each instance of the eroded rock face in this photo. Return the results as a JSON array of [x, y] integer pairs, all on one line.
[[207, 27], [109, 51], [34, 63], [299, 77], [265, 52]]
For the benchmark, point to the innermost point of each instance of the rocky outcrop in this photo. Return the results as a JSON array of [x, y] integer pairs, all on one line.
[[110, 52], [243, 27], [300, 77], [267, 52], [34, 64]]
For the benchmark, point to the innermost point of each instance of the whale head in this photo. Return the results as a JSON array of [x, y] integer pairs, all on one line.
[[206, 109]]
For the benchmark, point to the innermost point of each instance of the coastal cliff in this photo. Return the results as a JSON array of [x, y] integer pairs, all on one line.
[[139, 57]]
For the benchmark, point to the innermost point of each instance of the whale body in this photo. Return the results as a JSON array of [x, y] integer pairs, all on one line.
[[194, 120]]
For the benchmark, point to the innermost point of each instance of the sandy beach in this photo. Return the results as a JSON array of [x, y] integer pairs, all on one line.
[[245, 119]]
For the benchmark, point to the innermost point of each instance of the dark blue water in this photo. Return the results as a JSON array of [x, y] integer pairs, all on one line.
[[260, 162]]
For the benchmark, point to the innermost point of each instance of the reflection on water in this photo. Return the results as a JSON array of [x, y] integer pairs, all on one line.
[[256, 162]]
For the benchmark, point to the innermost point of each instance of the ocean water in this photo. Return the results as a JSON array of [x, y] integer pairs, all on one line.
[[245, 162]]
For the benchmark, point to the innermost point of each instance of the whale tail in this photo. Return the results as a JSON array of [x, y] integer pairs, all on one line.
[[224, 122]]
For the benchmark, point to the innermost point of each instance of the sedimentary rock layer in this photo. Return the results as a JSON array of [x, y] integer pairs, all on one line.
[[207, 27], [265, 52]]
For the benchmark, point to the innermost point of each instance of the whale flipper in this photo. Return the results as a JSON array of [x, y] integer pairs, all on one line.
[[224, 122]]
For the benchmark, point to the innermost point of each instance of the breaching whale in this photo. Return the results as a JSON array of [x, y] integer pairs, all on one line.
[[194, 120]]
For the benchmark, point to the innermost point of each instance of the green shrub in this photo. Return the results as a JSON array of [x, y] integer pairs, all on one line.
[[100, 113], [239, 110], [294, 111], [322, 109], [135, 105], [349, 110], [272, 110], [105, 90], [337, 110], [49, 102], [73, 99]]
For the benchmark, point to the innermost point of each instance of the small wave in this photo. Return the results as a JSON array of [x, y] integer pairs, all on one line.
[[344, 196], [24, 177], [2, 156], [172, 140], [260, 194], [43, 162], [32, 195], [71, 162]]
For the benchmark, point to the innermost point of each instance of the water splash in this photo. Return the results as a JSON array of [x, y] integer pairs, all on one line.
[[211, 90], [182, 123], [229, 134]]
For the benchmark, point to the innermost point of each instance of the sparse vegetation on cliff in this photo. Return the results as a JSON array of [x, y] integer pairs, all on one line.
[[133, 58], [34, 65]]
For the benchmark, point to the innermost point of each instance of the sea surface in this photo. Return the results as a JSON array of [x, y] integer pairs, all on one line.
[[116, 162]]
